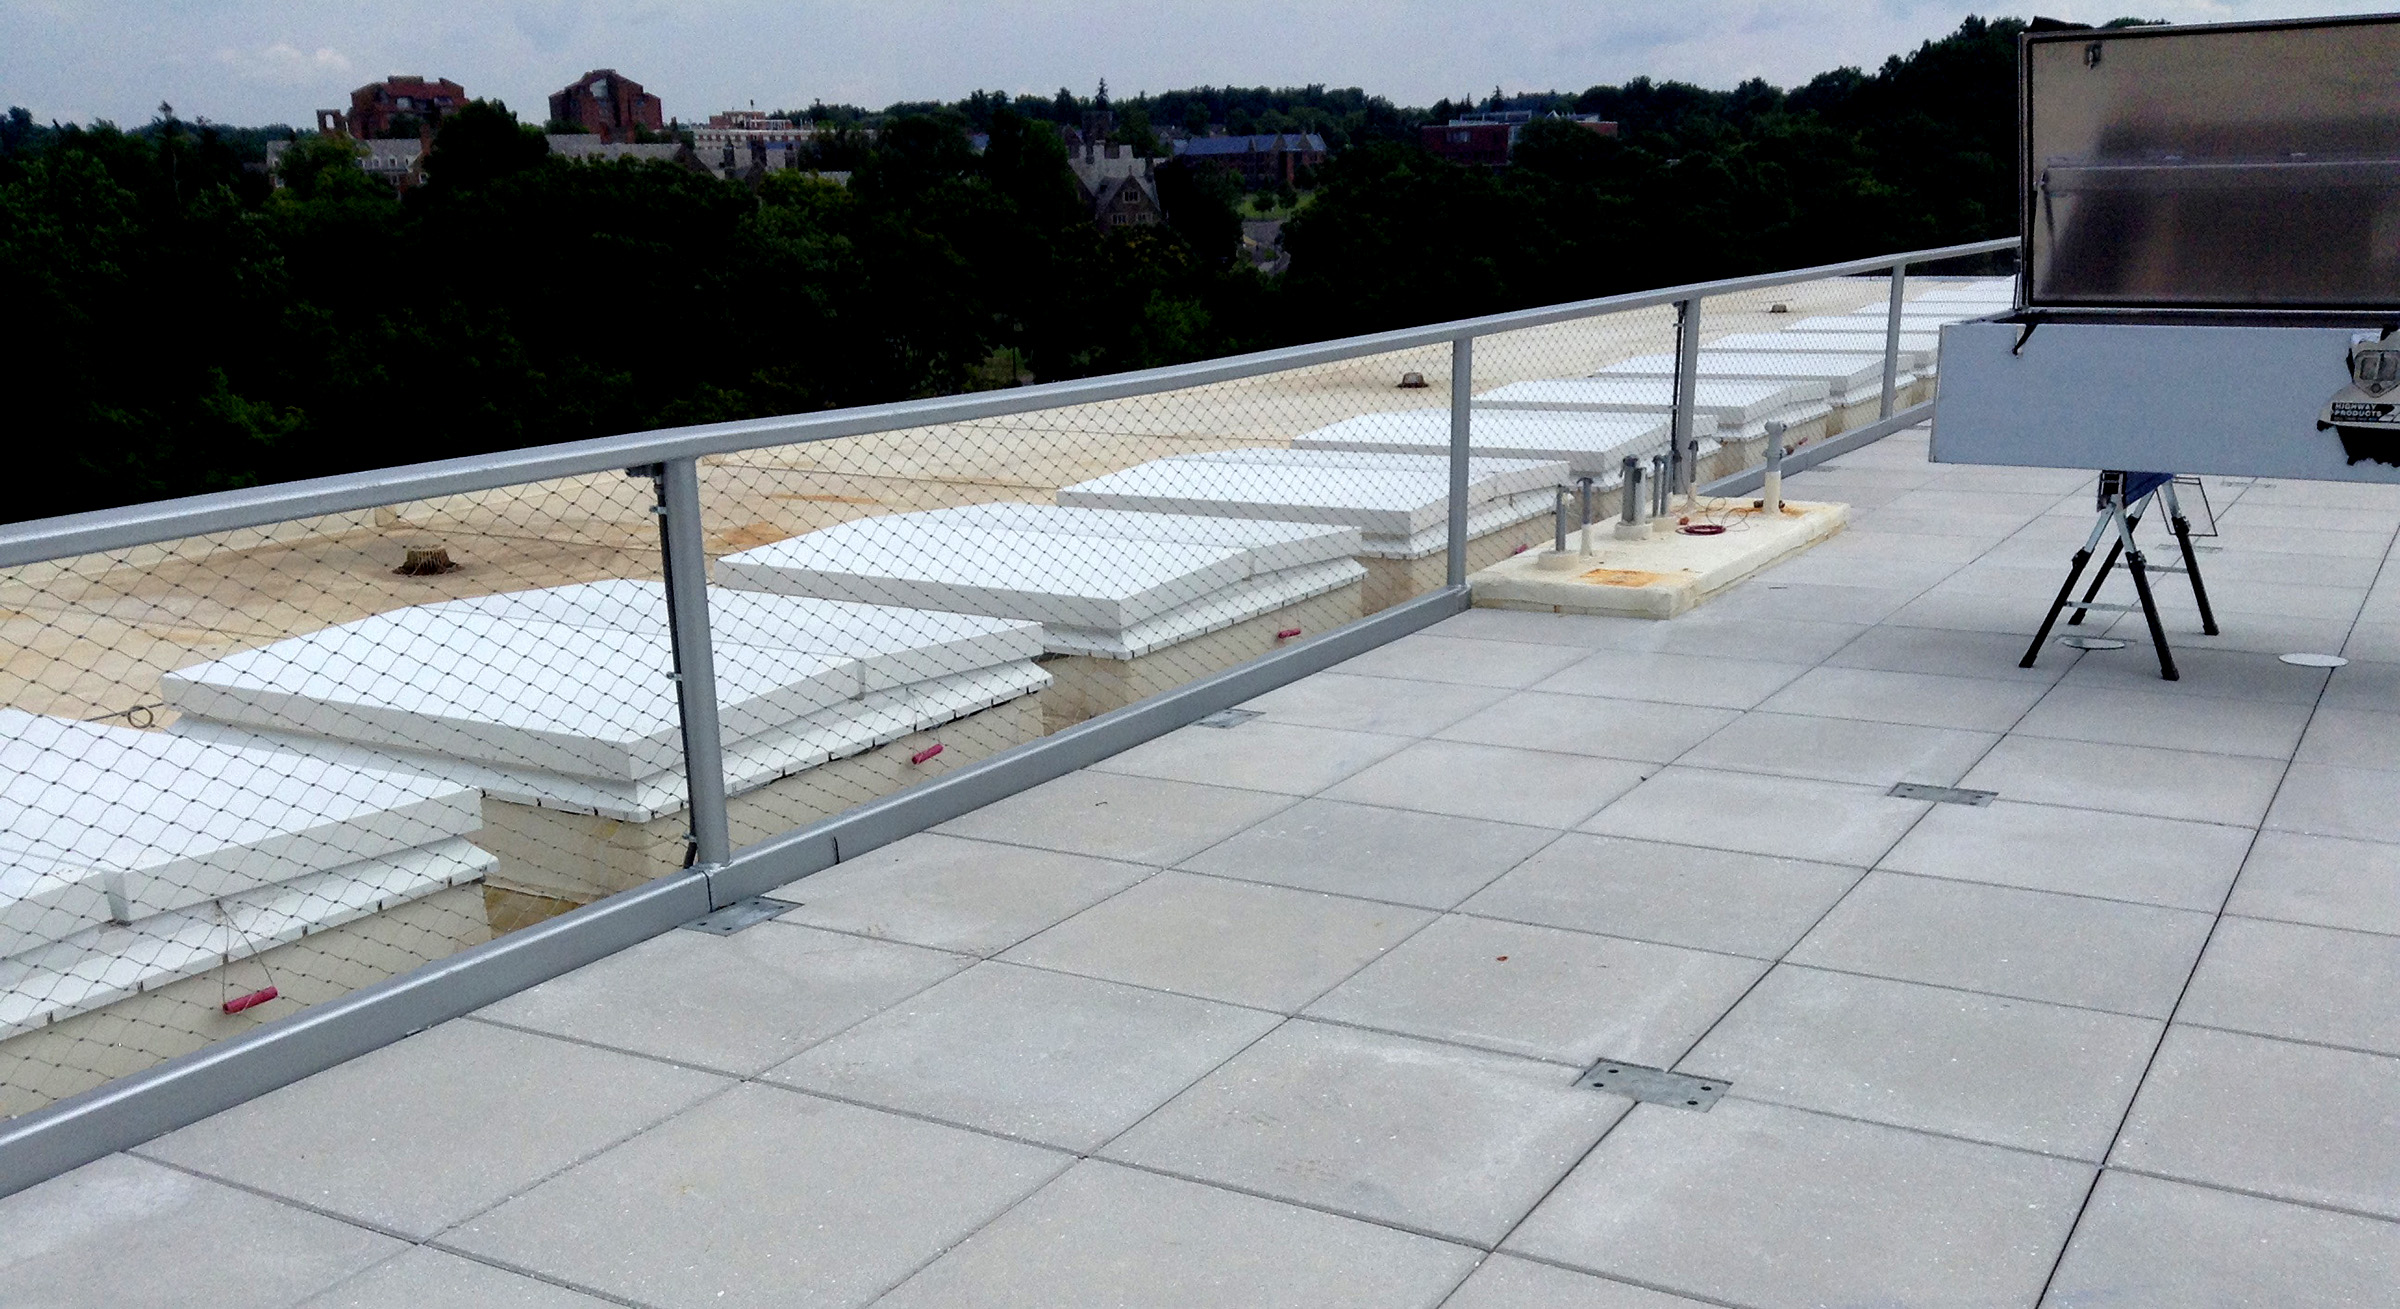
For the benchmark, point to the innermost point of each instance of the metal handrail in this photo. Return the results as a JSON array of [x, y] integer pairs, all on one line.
[[129, 526]]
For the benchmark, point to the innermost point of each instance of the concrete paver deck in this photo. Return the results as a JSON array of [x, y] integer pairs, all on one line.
[[1291, 1013]]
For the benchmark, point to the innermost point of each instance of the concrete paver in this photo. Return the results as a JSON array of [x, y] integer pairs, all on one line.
[[762, 1196], [2300, 982], [1504, 784], [1046, 1057], [1430, 860], [2278, 1118], [2323, 880], [1571, 997], [1263, 946], [971, 897], [2101, 954], [1755, 1204], [1719, 900], [1452, 1143], [2146, 1241], [2009, 1072], [127, 1233], [2161, 861], [1104, 1236], [1792, 817], [422, 1277], [421, 1134], [737, 1004], [1506, 1283]]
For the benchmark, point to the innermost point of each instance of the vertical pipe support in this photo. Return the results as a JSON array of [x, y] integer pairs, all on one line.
[[1772, 489], [1891, 343], [686, 572], [1462, 396], [1687, 372]]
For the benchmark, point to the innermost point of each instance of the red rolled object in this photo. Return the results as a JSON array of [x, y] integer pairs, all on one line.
[[252, 1000], [1287, 634], [927, 753]]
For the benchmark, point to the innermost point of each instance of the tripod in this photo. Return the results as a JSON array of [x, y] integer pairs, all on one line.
[[2123, 497]]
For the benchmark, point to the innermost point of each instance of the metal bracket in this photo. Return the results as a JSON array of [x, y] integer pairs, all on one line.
[[1654, 1085], [1942, 794], [739, 915]]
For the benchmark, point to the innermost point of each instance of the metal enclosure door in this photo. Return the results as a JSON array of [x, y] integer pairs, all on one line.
[[2252, 166]]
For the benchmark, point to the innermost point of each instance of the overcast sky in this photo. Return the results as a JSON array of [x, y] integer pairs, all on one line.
[[252, 61]]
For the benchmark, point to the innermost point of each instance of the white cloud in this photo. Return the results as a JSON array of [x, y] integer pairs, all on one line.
[[285, 64]]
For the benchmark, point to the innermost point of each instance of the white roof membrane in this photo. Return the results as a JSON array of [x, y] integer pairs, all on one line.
[[893, 647], [1917, 349], [1847, 377], [1741, 408], [158, 822], [589, 701], [1589, 444], [1382, 495]]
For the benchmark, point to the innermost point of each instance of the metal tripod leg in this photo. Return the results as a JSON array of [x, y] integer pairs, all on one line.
[[2066, 592], [2107, 565], [2191, 561], [2141, 587]]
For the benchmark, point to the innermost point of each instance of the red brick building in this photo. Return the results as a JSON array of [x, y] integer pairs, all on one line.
[[1488, 140], [608, 105], [405, 98]]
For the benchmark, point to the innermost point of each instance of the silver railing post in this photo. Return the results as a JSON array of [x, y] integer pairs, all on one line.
[[1462, 399], [695, 666], [1891, 343], [1687, 371]]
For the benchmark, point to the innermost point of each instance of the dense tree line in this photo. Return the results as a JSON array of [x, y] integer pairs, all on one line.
[[178, 324]]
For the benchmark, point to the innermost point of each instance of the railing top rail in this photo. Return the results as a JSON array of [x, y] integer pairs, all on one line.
[[129, 526]]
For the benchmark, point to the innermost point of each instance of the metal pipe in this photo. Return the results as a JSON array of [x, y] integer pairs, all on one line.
[[686, 572], [1773, 485], [1584, 485], [1687, 372], [1558, 524], [1462, 402], [1631, 522], [152, 522], [1891, 343], [1659, 464]]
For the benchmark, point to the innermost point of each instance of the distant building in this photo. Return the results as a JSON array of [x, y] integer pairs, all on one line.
[[399, 162], [1490, 140], [1121, 187], [403, 98], [746, 144], [578, 147], [609, 105], [1262, 161]]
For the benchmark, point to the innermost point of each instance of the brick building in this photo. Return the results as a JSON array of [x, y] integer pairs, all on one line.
[[609, 105], [1489, 140], [403, 98], [1274, 159]]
